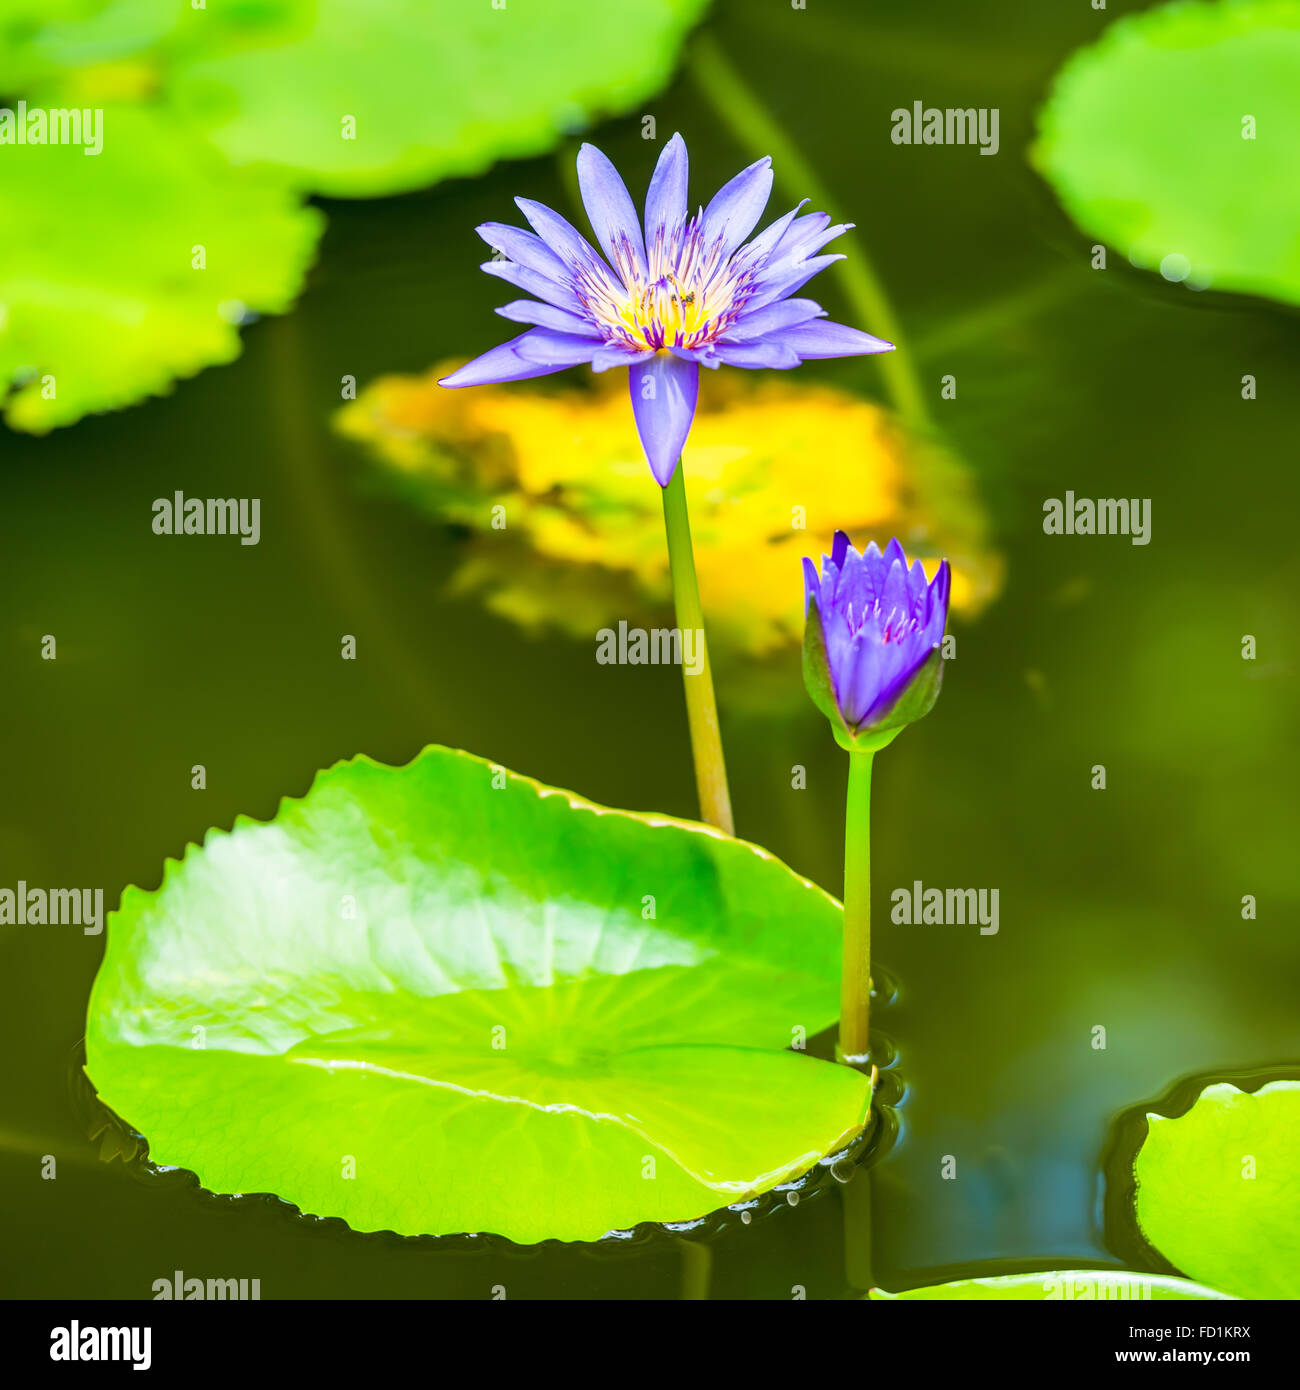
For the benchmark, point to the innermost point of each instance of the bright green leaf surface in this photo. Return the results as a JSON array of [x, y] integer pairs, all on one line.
[[41, 39], [412, 92], [1070, 1285], [422, 91], [515, 1011], [98, 290], [1219, 1189], [1142, 138], [77, 50]]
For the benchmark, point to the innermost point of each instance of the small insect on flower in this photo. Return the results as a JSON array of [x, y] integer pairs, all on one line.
[[684, 293], [873, 642]]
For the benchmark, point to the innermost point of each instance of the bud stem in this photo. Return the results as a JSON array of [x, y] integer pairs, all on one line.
[[701, 706], [855, 979]]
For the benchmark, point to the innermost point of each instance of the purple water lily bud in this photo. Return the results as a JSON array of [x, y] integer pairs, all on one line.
[[873, 640]]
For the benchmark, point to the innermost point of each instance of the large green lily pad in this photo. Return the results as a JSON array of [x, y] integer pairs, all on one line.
[[100, 300], [1218, 1189], [1065, 1285], [1143, 138], [443, 998]]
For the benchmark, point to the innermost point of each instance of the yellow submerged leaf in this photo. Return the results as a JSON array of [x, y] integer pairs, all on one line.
[[773, 468]]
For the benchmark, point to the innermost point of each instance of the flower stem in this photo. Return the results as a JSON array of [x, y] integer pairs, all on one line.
[[737, 107], [855, 979], [701, 706], [697, 1269]]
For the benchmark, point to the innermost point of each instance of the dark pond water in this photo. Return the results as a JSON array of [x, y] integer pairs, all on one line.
[[1119, 909]]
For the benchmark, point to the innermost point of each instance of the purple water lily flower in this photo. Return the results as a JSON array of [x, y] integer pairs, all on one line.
[[689, 292], [873, 642]]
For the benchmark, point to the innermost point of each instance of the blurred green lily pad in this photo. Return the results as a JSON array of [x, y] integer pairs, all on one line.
[[442, 998], [1175, 139], [1065, 1285], [84, 50], [101, 302], [358, 104], [411, 93], [1218, 1189]]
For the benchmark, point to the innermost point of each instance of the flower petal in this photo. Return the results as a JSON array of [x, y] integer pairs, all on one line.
[[821, 338], [811, 583], [548, 316], [530, 281], [706, 355], [611, 212], [573, 249], [917, 587], [810, 225], [773, 285], [766, 352], [768, 241], [507, 363], [807, 235], [857, 584], [895, 601], [786, 314], [524, 248], [883, 672], [557, 350], [613, 355], [734, 210], [940, 586], [665, 201], [664, 391]]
